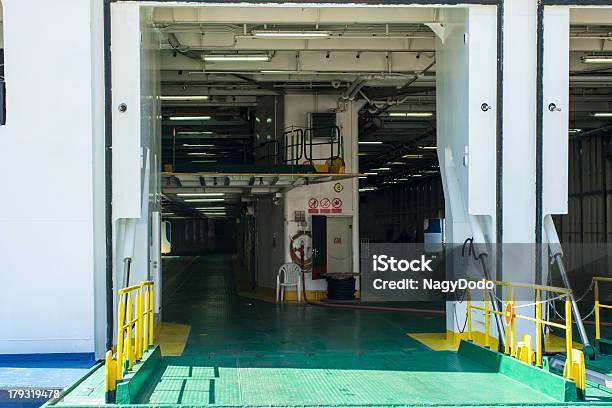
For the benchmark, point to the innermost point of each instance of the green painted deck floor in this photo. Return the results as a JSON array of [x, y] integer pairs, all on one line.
[[246, 352]]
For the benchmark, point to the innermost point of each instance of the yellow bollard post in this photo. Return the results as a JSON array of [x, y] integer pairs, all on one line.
[[469, 315], [145, 318], [513, 326], [597, 321], [138, 326], [486, 318], [109, 377], [151, 316], [568, 338], [120, 352], [507, 332], [128, 343], [538, 316]]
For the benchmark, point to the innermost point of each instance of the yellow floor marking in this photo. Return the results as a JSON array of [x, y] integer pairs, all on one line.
[[172, 338], [450, 342], [435, 341]]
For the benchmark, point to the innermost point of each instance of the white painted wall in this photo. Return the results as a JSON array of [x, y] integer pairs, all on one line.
[[297, 108], [52, 290], [136, 143], [466, 78]]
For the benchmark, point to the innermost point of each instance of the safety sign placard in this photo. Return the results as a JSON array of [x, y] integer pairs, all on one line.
[[313, 206], [337, 205], [324, 205], [508, 314], [338, 187]]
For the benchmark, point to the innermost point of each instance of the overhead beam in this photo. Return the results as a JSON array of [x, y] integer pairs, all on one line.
[[293, 14]]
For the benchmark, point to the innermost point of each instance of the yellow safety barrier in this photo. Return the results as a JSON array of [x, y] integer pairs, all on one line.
[[598, 304], [510, 335], [135, 323], [518, 350]]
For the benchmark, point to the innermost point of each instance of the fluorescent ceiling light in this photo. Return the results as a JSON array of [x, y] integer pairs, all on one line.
[[184, 98], [237, 58], [189, 118], [290, 34], [411, 114], [274, 71], [371, 174], [597, 59], [205, 200], [382, 169], [403, 179], [200, 154], [169, 213], [371, 143], [200, 194], [602, 114], [197, 145], [194, 133], [429, 147], [361, 190], [211, 208], [363, 177], [412, 156], [395, 163]]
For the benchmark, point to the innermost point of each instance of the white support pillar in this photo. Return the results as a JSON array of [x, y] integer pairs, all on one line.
[[466, 73]]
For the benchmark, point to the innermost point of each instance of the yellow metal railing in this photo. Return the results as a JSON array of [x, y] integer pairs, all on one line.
[[510, 316], [598, 304], [135, 325]]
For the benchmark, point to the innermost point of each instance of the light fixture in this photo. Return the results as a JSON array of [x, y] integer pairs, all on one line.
[[382, 169], [377, 142], [189, 118], [194, 133], [575, 130], [403, 179], [363, 177], [395, 163], [165, 214], [411, 114], [197, 145], [597, 59], [602, 114], [412, 156], [371, 174], [290, 34], [363, 154], [200, 194], [200, 154], [429, 147], [274, 71], [237, 58], [184, 97], [205, 200], [361, 190], [211, 208]]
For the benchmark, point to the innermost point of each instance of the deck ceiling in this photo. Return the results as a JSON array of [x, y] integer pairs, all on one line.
[[389, 51]]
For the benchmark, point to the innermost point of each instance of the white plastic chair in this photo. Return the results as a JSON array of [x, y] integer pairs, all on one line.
[[289, 274]]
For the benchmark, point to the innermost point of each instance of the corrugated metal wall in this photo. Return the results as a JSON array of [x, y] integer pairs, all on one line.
[[590, 182], [397, 214]]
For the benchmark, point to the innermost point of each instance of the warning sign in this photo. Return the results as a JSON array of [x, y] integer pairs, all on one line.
[[325, 202], [508, 312], [338, 187], [313, 203], [337, 205]]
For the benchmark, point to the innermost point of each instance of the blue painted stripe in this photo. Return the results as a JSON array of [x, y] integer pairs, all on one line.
[[42, 357]]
